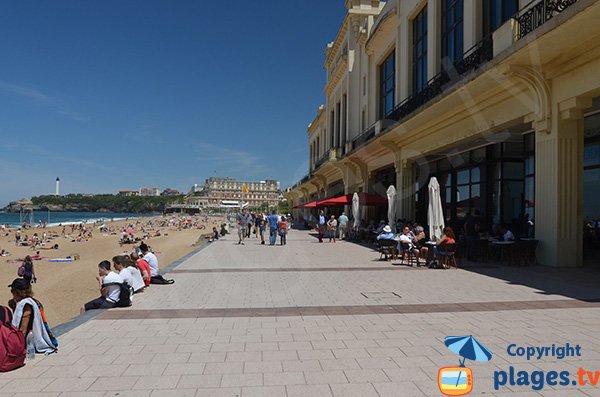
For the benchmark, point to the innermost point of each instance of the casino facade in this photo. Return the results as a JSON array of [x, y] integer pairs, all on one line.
[[499, 100]]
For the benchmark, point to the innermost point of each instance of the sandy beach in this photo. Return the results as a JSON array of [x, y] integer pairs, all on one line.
[[63, 287]]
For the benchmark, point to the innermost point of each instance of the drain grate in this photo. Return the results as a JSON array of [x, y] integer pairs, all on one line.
[[380, 295]]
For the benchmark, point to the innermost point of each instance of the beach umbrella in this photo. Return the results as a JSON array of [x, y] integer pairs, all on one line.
[[356, 210], [391, 213], [435, 214], [468, 348]]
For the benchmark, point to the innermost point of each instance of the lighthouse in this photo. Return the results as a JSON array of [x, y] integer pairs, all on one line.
[[57, 193]]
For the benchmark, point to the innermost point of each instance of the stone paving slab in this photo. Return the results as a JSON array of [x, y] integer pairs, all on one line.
[[333, 352]]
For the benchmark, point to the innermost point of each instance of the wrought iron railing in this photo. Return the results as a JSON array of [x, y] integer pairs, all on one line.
[[538, 12], [322, 160], [367, 134], [472, 59]]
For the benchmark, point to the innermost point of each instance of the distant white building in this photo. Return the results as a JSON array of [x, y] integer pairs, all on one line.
[[149, 191]]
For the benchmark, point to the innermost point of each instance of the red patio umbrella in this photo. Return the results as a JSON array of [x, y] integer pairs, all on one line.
[[364, 199]]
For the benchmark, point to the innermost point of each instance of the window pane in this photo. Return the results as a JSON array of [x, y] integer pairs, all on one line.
[[513, 171], [529, 165], [475, 174], [591, 155], [513, 150], [462, 177], [511, 201], [591, 192]]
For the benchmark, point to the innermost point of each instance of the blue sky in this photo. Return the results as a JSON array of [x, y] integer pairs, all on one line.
[[116, 94]]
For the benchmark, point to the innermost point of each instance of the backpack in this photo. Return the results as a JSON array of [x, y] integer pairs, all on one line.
[[12, 345], [125, 292]]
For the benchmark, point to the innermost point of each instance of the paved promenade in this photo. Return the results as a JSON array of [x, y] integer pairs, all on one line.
[[313, 320]]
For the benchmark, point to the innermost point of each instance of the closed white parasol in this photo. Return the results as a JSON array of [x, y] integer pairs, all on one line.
[[391, 214], [355, 210], [435, 214]]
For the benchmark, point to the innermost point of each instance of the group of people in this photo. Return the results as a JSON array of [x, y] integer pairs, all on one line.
[[412, 241], [26, 314], [257, 224], [332, 227], [135, 271]]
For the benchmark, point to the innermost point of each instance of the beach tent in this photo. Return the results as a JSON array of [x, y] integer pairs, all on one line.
[[435, 214]]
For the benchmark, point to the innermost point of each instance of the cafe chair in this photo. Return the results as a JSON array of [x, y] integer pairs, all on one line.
[[387, 248], [448, 255]]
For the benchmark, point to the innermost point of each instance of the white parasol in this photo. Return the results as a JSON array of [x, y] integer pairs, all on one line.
[[391, 214], [435, 214], [356, 210]]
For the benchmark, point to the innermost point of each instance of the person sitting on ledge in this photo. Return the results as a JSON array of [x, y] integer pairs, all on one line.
[[109, 294], [29, 317]]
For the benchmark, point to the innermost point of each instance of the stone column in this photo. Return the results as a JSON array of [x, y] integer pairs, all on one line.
[[406, 179], [559, 185]]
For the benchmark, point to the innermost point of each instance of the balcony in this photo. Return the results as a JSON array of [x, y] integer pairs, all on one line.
[[538, 12], [322, 160], [364, 137], [476, 56]]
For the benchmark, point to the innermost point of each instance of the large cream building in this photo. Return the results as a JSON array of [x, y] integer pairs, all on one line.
[[498, 99], [216, 191]]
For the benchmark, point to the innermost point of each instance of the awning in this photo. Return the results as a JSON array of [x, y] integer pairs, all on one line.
[[312, 204], [364, 199]]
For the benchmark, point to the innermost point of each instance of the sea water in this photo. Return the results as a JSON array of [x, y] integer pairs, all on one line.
[[68, 218]]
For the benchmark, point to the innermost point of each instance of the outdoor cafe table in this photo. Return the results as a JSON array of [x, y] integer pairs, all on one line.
[[503, 250]]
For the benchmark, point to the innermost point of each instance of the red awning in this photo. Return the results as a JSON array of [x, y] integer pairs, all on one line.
[[364, 199]]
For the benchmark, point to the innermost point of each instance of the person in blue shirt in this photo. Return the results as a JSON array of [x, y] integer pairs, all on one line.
[[386, 233], [273, 221]]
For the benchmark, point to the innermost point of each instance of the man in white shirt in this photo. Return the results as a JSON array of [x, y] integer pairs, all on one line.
[[109, 290], [130, 274], [151, 259]]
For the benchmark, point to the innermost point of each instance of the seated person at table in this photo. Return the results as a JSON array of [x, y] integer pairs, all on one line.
[[407, 242], [386, 233], [506, 234], [420, 237], [448, 237]]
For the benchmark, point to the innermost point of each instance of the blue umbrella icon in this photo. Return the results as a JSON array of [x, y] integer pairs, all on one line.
[[468, 348]]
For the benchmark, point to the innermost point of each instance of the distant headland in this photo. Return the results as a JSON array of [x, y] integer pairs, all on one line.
[[94, 203]]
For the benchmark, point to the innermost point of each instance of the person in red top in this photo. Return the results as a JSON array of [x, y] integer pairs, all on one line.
[[447, 238], [283, 227], [143, 266]]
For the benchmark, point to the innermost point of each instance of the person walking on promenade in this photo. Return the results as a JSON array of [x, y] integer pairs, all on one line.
[[321, 225], [273, 221], [283, 228], [343, 221], [261, 224], [257, 220], [250, 222], [242, 226], [332, 228]]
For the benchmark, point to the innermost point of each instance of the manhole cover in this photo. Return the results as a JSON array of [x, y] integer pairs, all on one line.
[[380, 295]]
